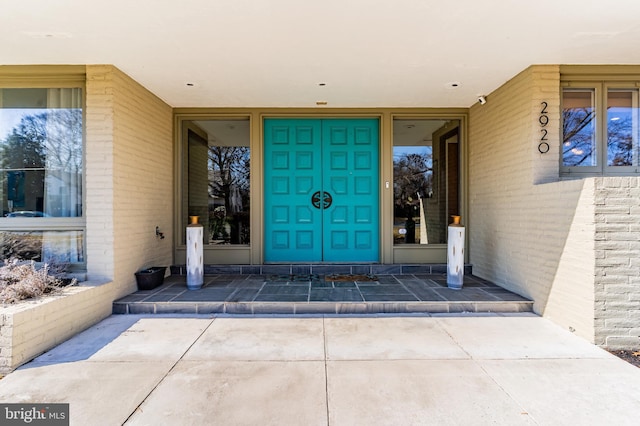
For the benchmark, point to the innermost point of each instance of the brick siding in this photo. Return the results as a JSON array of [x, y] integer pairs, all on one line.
[[617, 258], [573, 246], [129, 187], [530, 232]]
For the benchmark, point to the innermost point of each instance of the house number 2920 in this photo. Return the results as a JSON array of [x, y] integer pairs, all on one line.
[[543, 146]]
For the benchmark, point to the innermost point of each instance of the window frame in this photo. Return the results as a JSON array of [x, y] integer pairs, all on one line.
[[617, 170], [74, 78], [451, 126], [600, 91], [187, 125]]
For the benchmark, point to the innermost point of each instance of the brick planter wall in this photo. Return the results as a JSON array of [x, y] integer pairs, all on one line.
[[30, 328]]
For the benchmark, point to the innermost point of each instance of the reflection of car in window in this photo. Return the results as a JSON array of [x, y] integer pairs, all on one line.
[[27, 214]]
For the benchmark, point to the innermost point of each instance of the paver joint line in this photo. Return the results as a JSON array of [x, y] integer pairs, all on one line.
[[168, 371]]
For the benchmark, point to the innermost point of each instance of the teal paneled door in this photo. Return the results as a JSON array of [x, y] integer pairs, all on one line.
[[350, 182], [293, 226], [321, 190]]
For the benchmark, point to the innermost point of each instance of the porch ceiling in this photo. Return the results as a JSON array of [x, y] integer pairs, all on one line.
[[274, 53]]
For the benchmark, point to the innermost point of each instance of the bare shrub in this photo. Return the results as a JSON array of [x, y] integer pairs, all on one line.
[[21, 245], [23, 280]]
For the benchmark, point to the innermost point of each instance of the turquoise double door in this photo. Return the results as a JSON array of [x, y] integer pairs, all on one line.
[[321, 192]]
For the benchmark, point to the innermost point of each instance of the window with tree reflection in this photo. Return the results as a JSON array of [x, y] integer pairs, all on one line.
[[588, 149], [41, 152], [218, 177], [229, 194], [412, 181], [41, 174], [425, 179], [622, 128], [578, 128]]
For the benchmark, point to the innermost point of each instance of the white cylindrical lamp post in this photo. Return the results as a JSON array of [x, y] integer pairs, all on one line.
[[455, 254], [195, 263]]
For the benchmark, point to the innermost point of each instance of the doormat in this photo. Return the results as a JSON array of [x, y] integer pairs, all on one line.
[[350, 277], [295, 278]]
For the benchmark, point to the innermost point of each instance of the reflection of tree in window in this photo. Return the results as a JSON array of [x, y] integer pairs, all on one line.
[[413, 175], [620, 141], [579, 128], [24, 150], [620, 110], [578, 136], [47, 148], [229, 191]]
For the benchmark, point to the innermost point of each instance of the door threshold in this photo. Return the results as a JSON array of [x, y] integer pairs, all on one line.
[[323, 269]]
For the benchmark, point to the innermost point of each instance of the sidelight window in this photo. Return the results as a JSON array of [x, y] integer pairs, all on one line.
[[216, 188], [425, 179]]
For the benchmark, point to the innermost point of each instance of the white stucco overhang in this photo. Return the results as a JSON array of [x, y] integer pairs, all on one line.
[[275, 53]]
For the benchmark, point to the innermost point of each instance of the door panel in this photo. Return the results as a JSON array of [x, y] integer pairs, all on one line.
[[350, 175], [321, 190], [292, 226]]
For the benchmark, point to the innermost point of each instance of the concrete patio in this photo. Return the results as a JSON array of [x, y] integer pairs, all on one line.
[[442, 369]]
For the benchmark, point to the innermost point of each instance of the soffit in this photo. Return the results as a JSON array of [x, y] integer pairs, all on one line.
[[369, 53]]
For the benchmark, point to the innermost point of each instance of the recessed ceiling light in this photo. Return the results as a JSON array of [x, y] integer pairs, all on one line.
[[321, 102], [453, 85], [191, 84], [322, 84], [43, 34]]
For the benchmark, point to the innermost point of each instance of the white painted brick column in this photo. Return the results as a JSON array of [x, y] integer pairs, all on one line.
[[617, 286]]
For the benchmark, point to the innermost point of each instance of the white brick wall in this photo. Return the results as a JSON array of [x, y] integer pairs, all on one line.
[[33, 327], [570, 300], [617, 245], [572, 246], [99, 173], [524, 232], [129, 191], [129, 177]]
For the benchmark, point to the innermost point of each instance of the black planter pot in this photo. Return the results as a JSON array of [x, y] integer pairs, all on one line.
[[150, 278]]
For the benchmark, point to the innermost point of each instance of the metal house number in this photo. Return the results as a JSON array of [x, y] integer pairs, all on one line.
[[543, 146]]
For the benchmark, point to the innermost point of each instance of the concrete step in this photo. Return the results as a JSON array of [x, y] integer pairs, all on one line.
[[300, 294]]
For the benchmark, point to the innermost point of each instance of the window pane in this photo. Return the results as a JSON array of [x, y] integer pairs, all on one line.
[[55, 248], [218, 179], [425, 179], [622, 128], [578, 128], [41, 152]]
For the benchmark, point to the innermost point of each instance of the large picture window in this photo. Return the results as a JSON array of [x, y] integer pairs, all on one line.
[[41, 174], [41, 152], [600, 130]]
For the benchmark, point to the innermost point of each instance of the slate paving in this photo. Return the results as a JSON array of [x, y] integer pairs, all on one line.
[[318, 293]]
